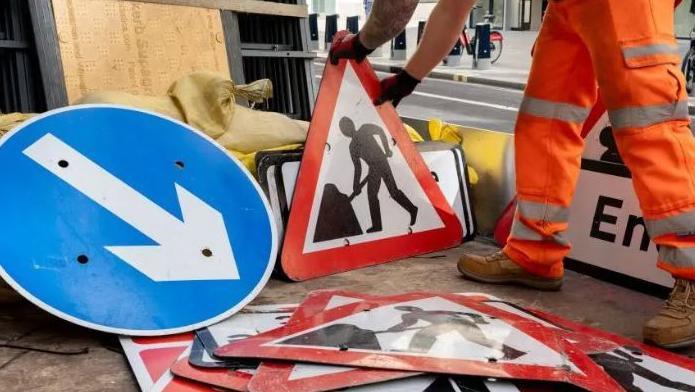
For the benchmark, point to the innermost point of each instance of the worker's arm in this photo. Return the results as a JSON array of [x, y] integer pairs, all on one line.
[[443, 28], [356, 188], [371, 129], [408, 321], [385, 21]]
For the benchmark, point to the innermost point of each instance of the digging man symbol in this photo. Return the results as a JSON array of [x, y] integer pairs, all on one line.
[[364, 147], [442, 322]]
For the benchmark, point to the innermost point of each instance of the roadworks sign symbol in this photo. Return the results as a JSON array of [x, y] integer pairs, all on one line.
[[364, 195], [424, 332]]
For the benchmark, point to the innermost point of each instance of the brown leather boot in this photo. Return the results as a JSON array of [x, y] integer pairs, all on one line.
[[498, 268], [674, 325]]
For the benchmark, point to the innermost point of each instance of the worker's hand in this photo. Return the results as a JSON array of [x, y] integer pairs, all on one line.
[[347, 46], [396, 87]]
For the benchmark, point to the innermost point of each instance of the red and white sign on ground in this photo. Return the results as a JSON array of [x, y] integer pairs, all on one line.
[[236, 380], [364, 195], [151, 357], [439, 333], [634, 365], [305, 377]]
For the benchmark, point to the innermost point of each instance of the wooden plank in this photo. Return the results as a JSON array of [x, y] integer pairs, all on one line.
[[245, 6], [135, 47], [46, 38]]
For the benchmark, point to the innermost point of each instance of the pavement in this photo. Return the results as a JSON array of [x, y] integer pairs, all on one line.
[[511, 71], [104, 367]]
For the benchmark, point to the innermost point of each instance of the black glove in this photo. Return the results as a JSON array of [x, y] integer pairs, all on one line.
[[347, 46], [396, 87]]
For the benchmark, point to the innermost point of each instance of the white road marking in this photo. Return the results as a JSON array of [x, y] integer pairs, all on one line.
[[467, 101]]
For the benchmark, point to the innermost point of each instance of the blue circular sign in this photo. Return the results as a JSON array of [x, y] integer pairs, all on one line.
[[127, 222]]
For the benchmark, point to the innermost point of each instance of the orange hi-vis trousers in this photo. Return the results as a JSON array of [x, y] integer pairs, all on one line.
[[628, 50]]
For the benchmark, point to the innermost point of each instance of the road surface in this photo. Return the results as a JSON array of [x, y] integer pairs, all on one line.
[[467, 104]]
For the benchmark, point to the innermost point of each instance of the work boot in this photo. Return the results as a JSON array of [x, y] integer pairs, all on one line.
[[674, 325], [498, 268]]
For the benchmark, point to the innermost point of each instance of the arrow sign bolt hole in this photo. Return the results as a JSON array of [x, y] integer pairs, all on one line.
[[63, 163], [206, 252], [180, 164], [82, 259]]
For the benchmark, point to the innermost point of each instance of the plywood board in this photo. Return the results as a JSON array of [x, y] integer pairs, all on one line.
[[135, 47], [247, 6]]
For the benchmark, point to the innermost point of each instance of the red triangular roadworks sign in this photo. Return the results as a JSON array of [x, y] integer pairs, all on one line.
[[347, 90], [302, 377], [151, 357], [386, 334]]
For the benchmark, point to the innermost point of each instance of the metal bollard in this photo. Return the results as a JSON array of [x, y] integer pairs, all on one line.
[[398, 49], [331, 29], [352, 24], [313, 32], [482, 32], [454, 57]]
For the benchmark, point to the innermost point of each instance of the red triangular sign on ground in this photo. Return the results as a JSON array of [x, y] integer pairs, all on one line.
[[364, 195]]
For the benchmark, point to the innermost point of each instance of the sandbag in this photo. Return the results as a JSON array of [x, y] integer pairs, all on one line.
[[207, 101], [11, 120]]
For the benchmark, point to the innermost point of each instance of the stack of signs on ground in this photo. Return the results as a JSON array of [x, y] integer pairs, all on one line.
[[363, 194], [182, 363], [170, 230], [463, 336]]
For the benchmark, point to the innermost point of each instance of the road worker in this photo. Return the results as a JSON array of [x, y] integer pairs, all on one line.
[[629, 51]]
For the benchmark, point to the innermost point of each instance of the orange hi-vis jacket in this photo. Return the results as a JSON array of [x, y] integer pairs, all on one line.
[[628, 50]]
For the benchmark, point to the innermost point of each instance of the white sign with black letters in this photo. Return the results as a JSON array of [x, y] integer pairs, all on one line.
[[606, 227]]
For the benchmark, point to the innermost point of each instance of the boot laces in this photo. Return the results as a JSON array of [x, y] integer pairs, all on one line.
[[499, 255], [679, 299]]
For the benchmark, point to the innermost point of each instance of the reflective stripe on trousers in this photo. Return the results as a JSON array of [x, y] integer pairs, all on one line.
[[554, 110], [645, 116], [680, 258], [665, 230], [544, 220], [520, 231]]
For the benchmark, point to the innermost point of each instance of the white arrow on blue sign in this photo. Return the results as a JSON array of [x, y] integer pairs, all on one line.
[[127, 222]]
